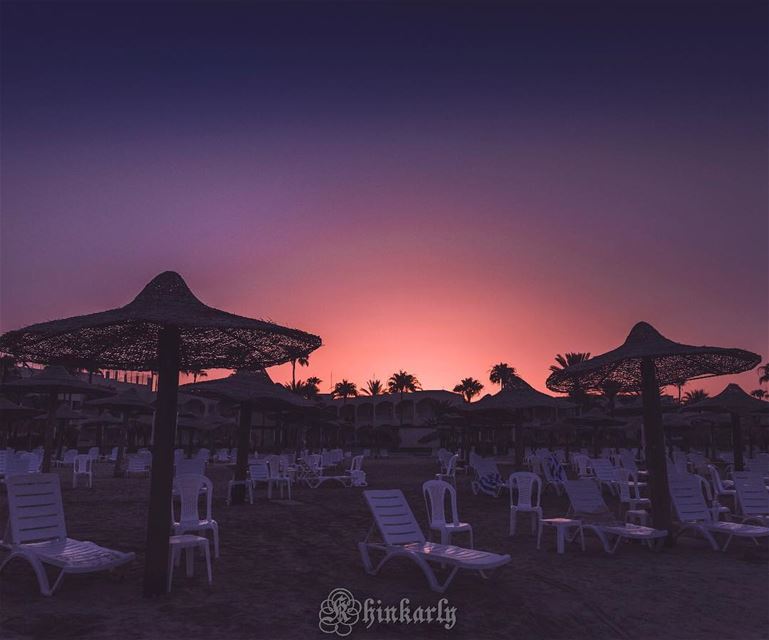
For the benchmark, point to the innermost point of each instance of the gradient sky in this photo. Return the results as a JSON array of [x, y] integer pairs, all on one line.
[[434, 188]]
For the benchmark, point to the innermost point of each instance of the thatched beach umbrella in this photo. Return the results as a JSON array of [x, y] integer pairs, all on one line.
[[130, 404], [515, 397], [734, 401], [164, 329], [646, 362], [10, 411], [51, 381], [249, 390]]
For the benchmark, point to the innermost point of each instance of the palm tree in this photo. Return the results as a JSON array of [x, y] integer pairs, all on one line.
[[568, 360], [401, 383], [344, 389], [759, 393], [763, 373], [298, 387], [696, 395], [312, 386], [501, 374], [610, 390], [577, 394], [296, 357], [373, 388], [469, 388], [679, 384]]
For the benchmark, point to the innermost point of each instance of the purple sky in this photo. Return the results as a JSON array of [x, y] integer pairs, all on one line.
[[428, 188]]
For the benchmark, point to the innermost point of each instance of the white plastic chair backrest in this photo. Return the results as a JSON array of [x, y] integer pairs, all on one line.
[[440, 452], [189, 486], [529, 489], [69, 456], [627, 491], [715, 478], [435, 492], [628, 461], [707, 490], [326, 459], [393, 517], [113, 454], [356, 464], [35, 511], [273, 466], [34, 462], [259, 471], [752, 494], [204, 454], [234, 453], [195, 466], [451, 466], [93, 453], [688, 501], [585, 497], [82, 464], [583, 463]]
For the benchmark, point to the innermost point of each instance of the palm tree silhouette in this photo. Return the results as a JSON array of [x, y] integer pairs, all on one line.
[[469, 388], [401, 383], [610, 390], [568, 360], [501, 374], [373, 388], [344, 389], [296, 357], [759, 393], [763, 373], [312, 386], [696, 395], [679, 384]]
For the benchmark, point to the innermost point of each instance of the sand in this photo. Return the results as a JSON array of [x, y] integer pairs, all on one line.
[[279, 562]]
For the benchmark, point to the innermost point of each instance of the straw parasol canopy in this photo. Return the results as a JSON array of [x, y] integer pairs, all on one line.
[[127, 337], [647, 361], [52, 381], [736, 402], [516, 396], [672, 362], [130, 403], [164, 329], [250, 390], [65, 412]]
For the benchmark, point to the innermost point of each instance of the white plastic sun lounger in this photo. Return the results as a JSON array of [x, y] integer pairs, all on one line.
[[694, 515], [752, 497], [588, 504], [38, 533], [403, 538]]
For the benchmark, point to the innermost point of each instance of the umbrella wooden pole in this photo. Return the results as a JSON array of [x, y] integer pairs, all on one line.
[[122, 445], [244, 446], [50, 427], [655, 449], [739, 460], [161, 480]]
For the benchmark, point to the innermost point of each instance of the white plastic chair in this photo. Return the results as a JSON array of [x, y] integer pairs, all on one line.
[[82, 466], [752, 496], [529, 494], [434, 492], [278, 477], [137, 464], [450, 474], [93, 453], [189, 487], [720, 487]]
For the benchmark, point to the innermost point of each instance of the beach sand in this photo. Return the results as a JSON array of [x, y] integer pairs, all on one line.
[[279, 561]]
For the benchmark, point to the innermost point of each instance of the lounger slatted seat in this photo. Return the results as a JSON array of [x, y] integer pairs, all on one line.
[[38, 533], [752, 497], [588, 504], [402, 537], [693, 514]]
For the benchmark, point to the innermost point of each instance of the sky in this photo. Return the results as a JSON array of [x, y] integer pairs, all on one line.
[[428, 187]]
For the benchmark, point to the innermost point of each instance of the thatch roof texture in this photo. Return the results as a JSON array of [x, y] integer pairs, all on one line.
[[672, 361], [127, 337]]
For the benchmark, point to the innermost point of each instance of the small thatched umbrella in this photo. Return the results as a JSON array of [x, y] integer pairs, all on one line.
[[52, 381], [250, 390], [130, 404], [646, 362], [516, 396], [595, 419], [734, 401], [168, 330], [64, 414]]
